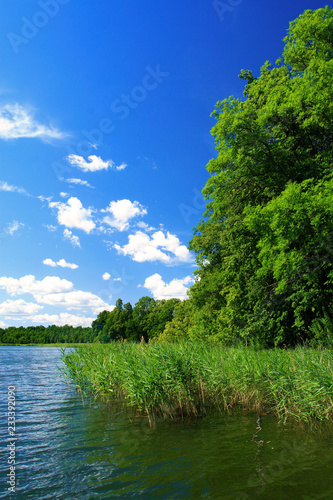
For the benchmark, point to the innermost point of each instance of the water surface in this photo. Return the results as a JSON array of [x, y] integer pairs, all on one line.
[[65, 450]]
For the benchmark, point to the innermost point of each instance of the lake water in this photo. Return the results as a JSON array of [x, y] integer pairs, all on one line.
[[65, 450]]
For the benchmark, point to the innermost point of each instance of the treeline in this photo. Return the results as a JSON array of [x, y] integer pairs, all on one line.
[[45, 335], [147, 319]]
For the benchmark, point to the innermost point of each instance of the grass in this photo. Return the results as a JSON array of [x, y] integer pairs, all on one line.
[[190, 379]]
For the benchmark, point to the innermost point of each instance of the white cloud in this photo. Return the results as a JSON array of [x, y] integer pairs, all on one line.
[[159, 247], [74, 240], [121, 167], [60, 263], [4, 186], [51, 291], [79, 182], [121, 212], [63, 195], [13, 227], [94, 164], [61, 319], [2, 324], [17, 121], [145, 226], [72, 214], [49, 262], [177, 288], [29, 284], [45, 198], [50, 227], [76, 299], [12, 309], [105, 230], [63, 263], [106, 276]]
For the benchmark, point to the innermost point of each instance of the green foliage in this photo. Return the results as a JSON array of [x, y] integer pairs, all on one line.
[[263, 246], [294, 276], [46, 335], [146, 320], [309, 38], [179, 327]]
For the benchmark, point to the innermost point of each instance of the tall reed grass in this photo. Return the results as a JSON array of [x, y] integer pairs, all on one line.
[[190, 379]]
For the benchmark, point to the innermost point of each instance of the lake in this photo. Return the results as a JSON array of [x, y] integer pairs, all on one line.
[[65, 449]]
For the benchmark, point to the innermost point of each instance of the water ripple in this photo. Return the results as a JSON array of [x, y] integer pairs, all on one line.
[[67, 451]]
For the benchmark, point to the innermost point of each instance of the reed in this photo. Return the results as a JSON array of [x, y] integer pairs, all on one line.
[[189, 379]]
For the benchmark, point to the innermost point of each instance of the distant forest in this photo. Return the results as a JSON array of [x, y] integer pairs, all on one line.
[[45, 335], [146, 320]]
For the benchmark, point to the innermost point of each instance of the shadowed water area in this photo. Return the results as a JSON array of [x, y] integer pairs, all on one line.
[[68, 450]]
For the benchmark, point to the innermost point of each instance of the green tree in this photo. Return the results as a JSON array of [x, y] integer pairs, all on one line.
[[115, 326], [99, 323], [160, 314], [181, 323], [281, 133], [140, 323], [119, 304], [295, 232]]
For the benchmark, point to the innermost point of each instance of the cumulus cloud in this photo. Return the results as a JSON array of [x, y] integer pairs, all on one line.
[[94, 163], [74, 240], [60, 263], [76, 299], [12, 309], [51, 291], [121, 212], [176, 289], [61, 319], [49, 262], [72, 214], [29, 284], [13, 227], [4, 186], [159, 247], [79, 182], [17, 121], [106, 276]]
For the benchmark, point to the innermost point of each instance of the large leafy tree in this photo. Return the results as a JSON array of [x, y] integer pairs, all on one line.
[[269, 144]]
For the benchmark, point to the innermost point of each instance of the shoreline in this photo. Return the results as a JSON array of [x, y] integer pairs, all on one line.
[[74, 344]]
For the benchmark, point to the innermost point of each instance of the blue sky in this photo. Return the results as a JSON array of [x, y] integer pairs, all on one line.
[[104, 138]]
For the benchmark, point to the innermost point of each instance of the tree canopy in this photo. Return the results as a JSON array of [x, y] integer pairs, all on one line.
[[264, 243]]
